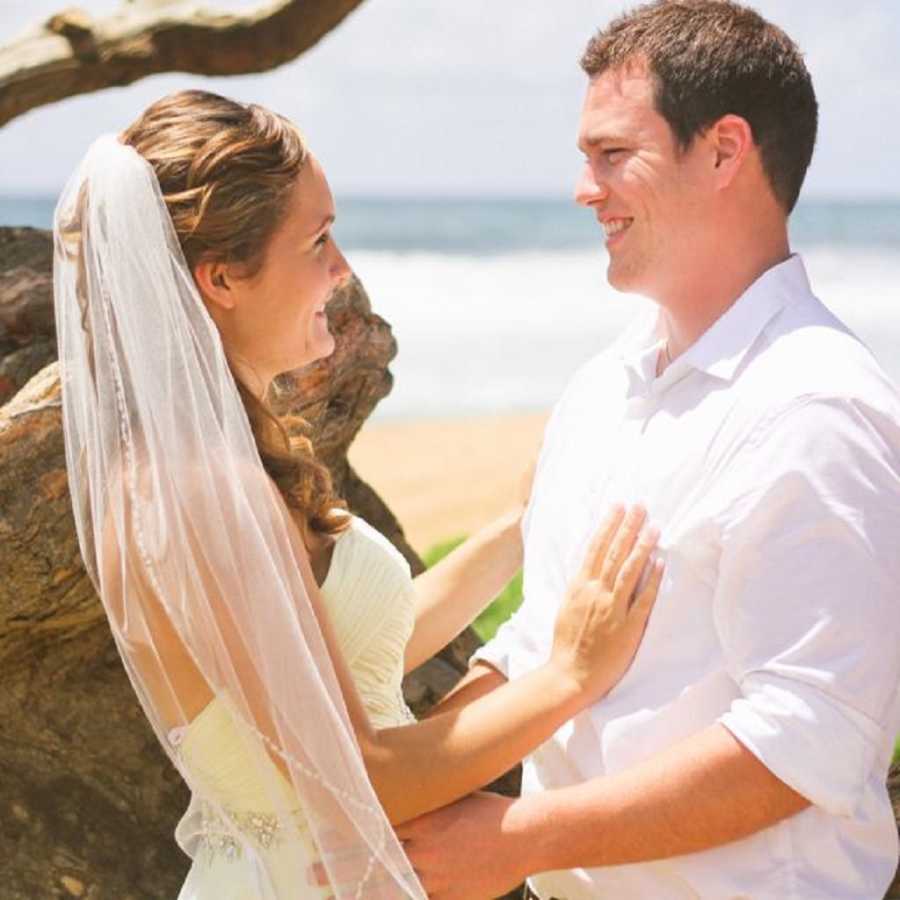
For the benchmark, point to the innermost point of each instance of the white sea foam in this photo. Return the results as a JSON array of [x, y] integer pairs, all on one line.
[[484, 334]]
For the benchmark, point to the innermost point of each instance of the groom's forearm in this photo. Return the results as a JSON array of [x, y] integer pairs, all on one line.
[[480, 680], [705, 791]]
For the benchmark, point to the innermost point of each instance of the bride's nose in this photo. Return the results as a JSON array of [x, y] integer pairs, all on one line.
[[340, 268]]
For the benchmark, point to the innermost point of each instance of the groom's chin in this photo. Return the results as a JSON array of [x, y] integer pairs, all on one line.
[[620, 278], [633, 275]]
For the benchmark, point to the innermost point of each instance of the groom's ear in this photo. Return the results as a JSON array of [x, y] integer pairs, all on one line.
[[731, 141]]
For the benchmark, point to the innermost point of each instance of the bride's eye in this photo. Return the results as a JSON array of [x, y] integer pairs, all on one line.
[[322, 240]]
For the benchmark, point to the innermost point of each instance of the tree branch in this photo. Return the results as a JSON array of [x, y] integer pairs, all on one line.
[[73, 54]]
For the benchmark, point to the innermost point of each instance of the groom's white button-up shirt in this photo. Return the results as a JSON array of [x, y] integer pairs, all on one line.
[[769, 455]]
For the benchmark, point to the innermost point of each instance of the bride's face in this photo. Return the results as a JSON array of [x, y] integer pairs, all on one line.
[[275, 320]]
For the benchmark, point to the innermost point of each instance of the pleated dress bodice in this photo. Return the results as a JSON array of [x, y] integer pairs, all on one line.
[[369, 595]]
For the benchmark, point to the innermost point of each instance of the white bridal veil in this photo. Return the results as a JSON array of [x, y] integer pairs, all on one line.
[[198, 563]]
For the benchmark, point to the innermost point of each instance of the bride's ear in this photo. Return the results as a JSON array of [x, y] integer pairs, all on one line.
[[214, 282]]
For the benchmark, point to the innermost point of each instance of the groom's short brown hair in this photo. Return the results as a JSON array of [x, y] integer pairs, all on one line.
[[711, 58]]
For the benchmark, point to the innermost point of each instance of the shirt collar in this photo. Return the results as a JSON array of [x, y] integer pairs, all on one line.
[[721, 349]]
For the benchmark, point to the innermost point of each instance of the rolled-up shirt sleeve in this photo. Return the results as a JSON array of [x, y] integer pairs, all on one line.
[[806, 604], [500, 651]]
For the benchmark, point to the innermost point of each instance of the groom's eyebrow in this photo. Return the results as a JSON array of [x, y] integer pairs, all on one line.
[[589, 141], [328, 220]]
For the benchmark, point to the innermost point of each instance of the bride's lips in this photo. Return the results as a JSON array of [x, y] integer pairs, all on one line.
[[320, 312]]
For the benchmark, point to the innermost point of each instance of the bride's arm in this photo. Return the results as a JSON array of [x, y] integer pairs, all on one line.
[[420, 767], [453, 592]]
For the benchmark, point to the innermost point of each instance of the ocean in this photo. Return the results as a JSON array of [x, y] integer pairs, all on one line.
[[495, 302]]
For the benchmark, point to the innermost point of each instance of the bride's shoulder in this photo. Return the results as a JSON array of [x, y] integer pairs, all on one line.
[[367, 541]]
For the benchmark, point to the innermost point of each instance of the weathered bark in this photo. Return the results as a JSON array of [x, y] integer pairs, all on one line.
[[89, 800], [72, 53], [27, 341]]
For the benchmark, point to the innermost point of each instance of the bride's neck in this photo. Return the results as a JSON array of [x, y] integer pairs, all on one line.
[[257, 383]]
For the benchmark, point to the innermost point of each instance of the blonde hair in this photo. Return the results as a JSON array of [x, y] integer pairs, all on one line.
[[226, 170]]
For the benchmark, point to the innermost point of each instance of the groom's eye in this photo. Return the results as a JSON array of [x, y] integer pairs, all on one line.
[[614, 154]]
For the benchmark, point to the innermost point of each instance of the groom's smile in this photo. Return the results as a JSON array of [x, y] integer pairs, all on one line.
[[614, 229]]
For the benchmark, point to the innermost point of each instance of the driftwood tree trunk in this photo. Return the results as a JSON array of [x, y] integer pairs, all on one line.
[[88, 799], [894, 789], [71, 53]]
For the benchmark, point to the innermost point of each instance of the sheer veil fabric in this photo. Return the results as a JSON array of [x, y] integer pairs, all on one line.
[[199, 565]]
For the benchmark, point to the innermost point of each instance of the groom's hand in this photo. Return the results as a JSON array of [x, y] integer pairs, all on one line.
[[468, 850]]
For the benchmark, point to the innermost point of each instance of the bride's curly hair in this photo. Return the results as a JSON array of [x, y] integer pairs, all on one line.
[[226, 170]]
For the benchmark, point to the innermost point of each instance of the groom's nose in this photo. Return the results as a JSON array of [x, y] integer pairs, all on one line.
[[589, 189]]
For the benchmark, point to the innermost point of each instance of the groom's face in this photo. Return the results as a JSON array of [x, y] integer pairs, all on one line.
[[648, 195]]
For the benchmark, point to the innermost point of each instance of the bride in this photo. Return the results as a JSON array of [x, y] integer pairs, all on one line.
[[265, 629]]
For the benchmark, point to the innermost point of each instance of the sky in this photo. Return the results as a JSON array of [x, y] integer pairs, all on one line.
[[448, 97]]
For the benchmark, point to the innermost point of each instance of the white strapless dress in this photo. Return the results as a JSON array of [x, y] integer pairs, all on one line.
[[369, 595]]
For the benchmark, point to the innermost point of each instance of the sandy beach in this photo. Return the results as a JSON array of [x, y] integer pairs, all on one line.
[[447, 477]]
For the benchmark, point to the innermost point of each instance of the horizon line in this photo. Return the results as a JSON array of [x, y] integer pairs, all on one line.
[[439, 196]]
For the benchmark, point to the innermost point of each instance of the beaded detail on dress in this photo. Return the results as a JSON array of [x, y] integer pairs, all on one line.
[[216, 839]]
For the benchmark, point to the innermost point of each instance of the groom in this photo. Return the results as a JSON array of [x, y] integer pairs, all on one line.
[[744, 753]]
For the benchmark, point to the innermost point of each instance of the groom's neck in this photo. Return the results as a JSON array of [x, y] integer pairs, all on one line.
[[717, 276]]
